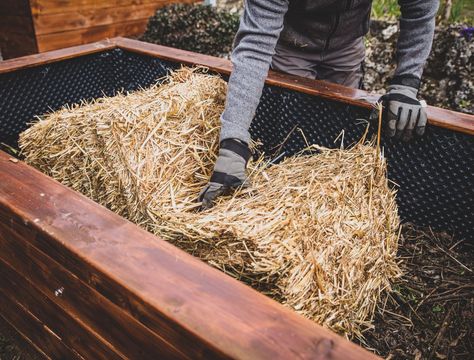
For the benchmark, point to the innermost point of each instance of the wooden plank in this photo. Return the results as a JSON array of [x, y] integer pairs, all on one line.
[[18, 24], [53, 56], [14, 7], [46, 342], [451, 120], [159, 284], [436, 116], [78, 300], [63, 6], [14, 45], [144, 2], [14, 252], [43, 7], [60, 40], [71, 331], [54, 23], [28, 350], [17, 37]]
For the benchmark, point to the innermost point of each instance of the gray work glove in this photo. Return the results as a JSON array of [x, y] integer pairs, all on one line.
[[229, 171], [403, 113]]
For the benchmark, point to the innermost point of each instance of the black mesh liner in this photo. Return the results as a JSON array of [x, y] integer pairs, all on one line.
[[38, 90], [435, 173]]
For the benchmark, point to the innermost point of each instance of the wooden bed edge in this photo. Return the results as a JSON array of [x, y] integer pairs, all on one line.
[[443, 118], [55, 55], [436, 116], [223, 313]]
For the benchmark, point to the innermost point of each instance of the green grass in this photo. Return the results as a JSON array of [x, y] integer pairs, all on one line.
[[461, 11]]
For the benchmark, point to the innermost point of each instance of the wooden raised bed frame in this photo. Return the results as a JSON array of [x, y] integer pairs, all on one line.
[[78, 281], [35, 26]]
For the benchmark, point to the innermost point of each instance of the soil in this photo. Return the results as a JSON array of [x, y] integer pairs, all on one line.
[[430, 313]]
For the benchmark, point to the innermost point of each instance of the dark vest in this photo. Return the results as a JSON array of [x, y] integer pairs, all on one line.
[[317, 25]]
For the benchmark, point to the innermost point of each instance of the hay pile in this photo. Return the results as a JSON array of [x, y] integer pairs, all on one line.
[[318, 233]]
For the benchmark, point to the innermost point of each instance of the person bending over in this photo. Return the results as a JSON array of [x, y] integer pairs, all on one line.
[[318, 39]]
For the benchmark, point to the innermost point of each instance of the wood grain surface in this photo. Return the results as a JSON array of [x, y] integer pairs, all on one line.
[[448, 119], [17, 35], [116, 332], [73, 333], [190, 305], [44, 340], [86, 35], [55, 55]]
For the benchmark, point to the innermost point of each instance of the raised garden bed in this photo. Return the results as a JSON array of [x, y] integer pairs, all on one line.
[[83, 275]]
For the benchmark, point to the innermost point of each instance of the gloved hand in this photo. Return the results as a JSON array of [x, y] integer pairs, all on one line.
[[229, 171], [403, 113]]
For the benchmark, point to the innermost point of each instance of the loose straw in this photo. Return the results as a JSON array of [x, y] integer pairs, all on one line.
[[318, 232]]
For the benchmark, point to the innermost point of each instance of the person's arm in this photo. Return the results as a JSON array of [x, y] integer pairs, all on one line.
[[404, 113], [417, 25], [260, 27]]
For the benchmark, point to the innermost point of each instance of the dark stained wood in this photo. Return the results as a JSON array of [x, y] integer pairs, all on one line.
[[451, 120], [160, 284], [14, 7], [56, 55], [78, 300], [59, 23], [18, 24], [43, 7], [17, 36], [71, 331], [220, 65], [41, 22], [40, 7], [64, 39], [438, 117], [144, 2], [28, 350], [46, 342], [14, 45]]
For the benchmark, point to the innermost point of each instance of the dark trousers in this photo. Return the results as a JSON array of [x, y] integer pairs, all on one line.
[[342, 66]]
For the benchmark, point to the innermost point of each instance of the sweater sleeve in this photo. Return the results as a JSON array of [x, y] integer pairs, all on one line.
[[259, 30], [417, 24]]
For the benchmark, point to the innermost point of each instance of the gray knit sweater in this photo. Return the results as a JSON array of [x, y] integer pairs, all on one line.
[[258, 34]]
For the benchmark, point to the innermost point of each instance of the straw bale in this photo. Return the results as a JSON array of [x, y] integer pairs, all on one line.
[[317, 232]]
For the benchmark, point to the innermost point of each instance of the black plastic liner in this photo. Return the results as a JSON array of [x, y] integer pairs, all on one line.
[[435, 173]]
